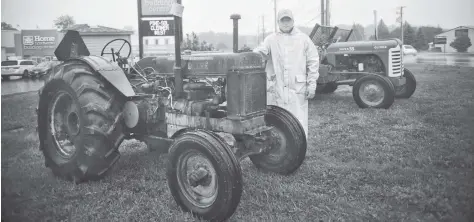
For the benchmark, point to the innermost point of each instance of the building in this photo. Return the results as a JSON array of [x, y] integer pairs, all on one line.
[[453, 34], [96, 37], [8, 43]]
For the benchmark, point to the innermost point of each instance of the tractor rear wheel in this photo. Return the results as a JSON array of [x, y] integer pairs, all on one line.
[[326, 88], [204, 176], [290, 151], [407, 90], [79, 118], [373, 91]]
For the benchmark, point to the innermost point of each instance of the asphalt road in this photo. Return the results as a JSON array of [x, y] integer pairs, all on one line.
[[17, 85]]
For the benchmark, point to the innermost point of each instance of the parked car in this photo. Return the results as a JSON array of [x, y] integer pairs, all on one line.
[[43, 69], [409, 50], [17, 68]]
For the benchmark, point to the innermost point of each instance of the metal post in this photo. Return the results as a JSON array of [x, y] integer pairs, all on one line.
[[178, 75], [235, 18], [328, 14], [275, 14], [323, 13], [140, 36], [375, 23]]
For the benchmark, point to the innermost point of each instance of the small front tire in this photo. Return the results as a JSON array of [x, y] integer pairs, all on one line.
[[373, 91], [211, 187]]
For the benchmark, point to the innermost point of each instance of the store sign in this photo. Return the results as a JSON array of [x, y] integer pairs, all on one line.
[[440, 40], [157, 7], [157, 27], [39, 42]]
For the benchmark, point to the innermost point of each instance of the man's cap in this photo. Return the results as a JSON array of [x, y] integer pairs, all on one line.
[[285, 13]]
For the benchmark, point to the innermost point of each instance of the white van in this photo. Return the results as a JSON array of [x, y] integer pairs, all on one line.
[[17, 68]]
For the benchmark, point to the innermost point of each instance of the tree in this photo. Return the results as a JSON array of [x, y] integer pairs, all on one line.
[[461, 43], [64, 21], [358, 32], [382, 29], [408, 34], [420, 42], [6, 26]]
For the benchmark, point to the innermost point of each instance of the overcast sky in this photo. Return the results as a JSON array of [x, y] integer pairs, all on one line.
[[205, 15]]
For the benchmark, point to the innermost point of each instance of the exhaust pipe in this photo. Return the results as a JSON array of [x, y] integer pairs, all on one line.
[[236, 18]]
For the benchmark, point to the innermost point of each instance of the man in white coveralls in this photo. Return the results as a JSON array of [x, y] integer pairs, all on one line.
[[292, 68]]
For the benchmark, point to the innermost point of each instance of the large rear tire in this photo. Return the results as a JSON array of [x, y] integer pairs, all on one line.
[[290, 153], [212, 188], [407, 90], [79, 120], [373, 91]]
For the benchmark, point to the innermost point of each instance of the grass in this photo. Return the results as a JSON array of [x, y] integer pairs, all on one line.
[[412, 162]]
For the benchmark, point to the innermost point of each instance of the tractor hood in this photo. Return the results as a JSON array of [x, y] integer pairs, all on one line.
[[363, 46], [208, 64]]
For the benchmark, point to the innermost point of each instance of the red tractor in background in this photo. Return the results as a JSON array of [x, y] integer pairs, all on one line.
[[373, 68]]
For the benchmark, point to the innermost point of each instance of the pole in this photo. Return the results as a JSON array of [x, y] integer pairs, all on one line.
[[140, 36], [375, 25], [263, 27], [323, 14], [328, 14], [401, 24], [178, 80], [275, 13], [258, 33]]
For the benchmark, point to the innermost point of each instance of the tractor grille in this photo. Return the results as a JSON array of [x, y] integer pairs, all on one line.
[[246, 94], [395, 59]]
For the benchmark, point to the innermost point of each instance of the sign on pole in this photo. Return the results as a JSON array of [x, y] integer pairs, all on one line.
[[157, 27], [159, 18], [440, 40]]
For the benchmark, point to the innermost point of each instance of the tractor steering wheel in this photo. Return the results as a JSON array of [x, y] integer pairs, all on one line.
[[117, 53]]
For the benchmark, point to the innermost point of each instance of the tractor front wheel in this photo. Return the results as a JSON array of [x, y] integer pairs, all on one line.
[[290, 149], [407, 90], [373, 91], [204, 176], [79, 125]]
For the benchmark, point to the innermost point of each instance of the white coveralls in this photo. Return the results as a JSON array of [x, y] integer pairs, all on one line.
[[292, 69]]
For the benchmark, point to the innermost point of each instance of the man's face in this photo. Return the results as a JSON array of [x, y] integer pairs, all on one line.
[[286, 24]]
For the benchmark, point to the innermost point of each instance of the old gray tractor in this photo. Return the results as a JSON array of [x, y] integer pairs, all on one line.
[[207, 111], [374, 69]]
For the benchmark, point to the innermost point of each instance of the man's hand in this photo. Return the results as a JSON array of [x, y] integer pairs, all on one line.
[[310, 91]]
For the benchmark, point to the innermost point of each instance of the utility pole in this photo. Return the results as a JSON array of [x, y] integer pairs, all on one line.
[[375, 24], [263, 27], [258, 33], [401, 22], [328, 14], [275, 14], [323, 13]]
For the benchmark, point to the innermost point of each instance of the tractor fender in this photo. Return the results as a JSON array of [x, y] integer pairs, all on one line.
[[111, 72]]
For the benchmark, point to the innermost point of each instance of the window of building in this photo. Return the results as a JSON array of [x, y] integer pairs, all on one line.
[[146, 41], [156, 42], [167, 41], [460, 32]]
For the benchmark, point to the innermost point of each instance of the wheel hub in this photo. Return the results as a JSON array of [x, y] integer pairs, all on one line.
[[197, 179], [64, 123], [371, 93]]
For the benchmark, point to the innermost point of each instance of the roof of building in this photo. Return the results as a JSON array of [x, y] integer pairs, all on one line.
[[86, 29], [459, 27]]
